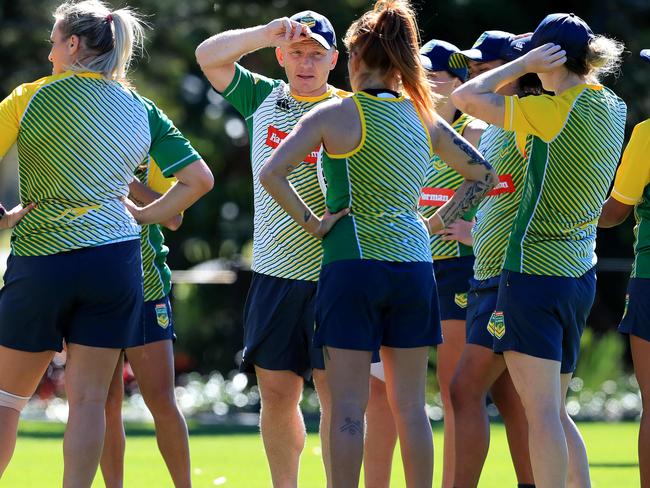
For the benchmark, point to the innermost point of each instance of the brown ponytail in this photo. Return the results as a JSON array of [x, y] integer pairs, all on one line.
[[387, 39]]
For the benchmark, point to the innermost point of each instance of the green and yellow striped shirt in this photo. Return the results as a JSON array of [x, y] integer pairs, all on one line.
[[380, 181]]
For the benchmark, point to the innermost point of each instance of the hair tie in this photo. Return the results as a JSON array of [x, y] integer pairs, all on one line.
[[109, 18]]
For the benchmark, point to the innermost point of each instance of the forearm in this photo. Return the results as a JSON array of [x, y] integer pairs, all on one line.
[[285, 195], [467, 196], [168, 207], [141, 193], [491, 81], [228, 47]]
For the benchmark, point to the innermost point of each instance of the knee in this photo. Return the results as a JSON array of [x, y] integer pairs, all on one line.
[[464, 394], [162, 403], [273, 398]]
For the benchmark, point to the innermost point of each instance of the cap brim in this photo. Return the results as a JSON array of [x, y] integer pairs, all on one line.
[[645, 55], [320, 40], [428, 65], [477, 55]]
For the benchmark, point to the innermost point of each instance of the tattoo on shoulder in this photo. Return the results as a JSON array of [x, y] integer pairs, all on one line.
[[352, 427]]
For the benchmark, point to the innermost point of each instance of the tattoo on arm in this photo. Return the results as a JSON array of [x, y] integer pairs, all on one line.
[[307, 215], [289, 168], [474, 156], [352, 427], [468, 195]]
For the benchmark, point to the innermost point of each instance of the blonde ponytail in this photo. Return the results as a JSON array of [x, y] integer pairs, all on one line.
[[108, 39]]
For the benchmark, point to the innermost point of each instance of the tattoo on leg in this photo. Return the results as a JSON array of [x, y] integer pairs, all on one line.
[[352, 427]]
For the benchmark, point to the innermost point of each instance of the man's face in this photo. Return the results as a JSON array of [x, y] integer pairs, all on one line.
[[307, 65]]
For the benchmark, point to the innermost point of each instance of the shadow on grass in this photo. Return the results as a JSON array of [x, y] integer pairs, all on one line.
[[54, 430], [613, 465]]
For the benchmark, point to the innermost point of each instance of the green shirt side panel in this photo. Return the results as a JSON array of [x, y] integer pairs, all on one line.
[[641, 267], [157, 277]]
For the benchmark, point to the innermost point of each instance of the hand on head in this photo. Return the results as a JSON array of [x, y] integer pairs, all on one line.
[[285, 31], [544, 58]]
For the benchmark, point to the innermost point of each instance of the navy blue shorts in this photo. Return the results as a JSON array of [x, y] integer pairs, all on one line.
[[91, 296], [636, 318], [543, 316], [157, 323], [452, 280], [279, 326], [481, 303], [365, 304]]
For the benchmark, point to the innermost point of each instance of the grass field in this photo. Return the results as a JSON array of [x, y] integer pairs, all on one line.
[[235, 458]]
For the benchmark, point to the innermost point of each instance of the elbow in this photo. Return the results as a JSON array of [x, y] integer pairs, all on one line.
[[174, 223], [459, 97], [266, 174], [206, 183], [200, 54]]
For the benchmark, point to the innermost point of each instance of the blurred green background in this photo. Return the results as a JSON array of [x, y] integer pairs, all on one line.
[[217, 231]]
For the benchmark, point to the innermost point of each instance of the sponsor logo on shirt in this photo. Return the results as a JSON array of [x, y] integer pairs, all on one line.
[[505, 185], [437, 197], [275, 136]]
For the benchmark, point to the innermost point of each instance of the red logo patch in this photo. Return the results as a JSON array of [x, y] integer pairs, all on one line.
[[435, 197], [505, 185], [275, 136]]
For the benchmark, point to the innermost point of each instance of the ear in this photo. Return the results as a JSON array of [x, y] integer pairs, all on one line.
[[457, 82], [279, 55], [335, 58], [74, 44]]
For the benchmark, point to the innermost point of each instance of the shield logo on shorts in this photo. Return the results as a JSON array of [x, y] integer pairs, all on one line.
[[497, 325], [461, 300], [162, 317]]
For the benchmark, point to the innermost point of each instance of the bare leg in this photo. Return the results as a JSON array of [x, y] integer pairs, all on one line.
[[578, 474], [406, 378], [348, 375], [477, 370], [325, 400], [112, 460], [641, 357], [448, 356], [20, 373], [514, 417], [88, 376], [381, 437], [538, 383], [153, 366], [281, 423]]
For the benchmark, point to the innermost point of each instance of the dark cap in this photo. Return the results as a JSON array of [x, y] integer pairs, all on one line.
[[645, 55], [435, 56], [569, 31], [493, 45], [321, 28]]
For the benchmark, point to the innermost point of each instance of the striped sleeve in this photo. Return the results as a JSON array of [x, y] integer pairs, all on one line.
[[633, 174]]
